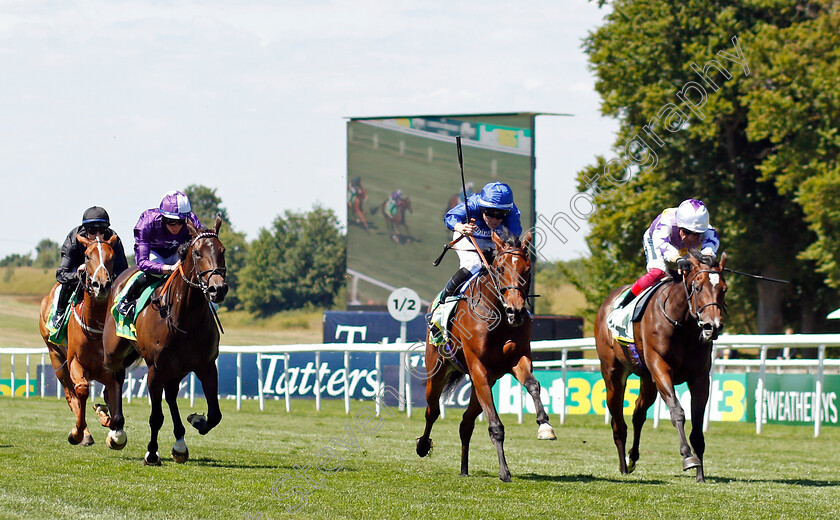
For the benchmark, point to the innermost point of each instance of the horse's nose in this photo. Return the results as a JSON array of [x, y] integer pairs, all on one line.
[[217, 293], [514, 316]]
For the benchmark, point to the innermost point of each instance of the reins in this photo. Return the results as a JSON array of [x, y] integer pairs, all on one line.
[[689, 298]]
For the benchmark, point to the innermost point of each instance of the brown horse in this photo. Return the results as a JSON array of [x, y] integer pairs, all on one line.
[[176, 335], [356, 208], [81, 360], [673, 341], [396, 222], [492, 337]]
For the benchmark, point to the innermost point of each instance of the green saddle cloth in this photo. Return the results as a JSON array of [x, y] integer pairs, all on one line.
[[58, 336], [440, 319], [125, 324]]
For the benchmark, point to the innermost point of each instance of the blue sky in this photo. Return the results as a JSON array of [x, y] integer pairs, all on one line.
[[115, 103]]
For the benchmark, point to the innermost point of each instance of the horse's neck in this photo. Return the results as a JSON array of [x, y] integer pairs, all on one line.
[[677, 301], [93, 311], [189, 306]]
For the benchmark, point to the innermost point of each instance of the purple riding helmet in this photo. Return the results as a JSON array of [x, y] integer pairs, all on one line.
[[175, 205]]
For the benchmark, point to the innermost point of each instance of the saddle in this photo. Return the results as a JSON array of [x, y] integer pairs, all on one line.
[[58, 336], [620, 321], [125, 324]]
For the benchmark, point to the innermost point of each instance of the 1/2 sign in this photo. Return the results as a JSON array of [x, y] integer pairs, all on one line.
[[404, 304]]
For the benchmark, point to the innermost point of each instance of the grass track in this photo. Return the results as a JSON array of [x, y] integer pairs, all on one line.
[[784, 473]]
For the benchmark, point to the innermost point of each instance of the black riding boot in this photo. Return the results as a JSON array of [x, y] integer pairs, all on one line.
[[130, 300], [64, 294], [461, 275]]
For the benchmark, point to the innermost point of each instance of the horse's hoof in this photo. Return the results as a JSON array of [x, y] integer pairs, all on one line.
[[74, 437], [631, 465], [104, 414], [180, 452], [87, 440], [546, 433], [690, 462], [505, 477], [424, 446], [198, 421], [116, 439], [151, 460]]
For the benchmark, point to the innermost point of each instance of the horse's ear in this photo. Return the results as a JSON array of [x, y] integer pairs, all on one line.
[[83, 240], [218, 223], [526, 242], [722, 260], [498, 241], [113, 240], [193, 231]]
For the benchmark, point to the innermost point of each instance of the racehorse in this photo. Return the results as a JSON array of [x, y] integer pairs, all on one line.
[[673, 341], [356, 209], [396, 222], [176, 335], [487, 344], [81, 360]]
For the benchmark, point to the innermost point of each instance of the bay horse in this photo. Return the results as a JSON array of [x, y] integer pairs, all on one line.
[[81, 360], [673, 340], [176, 335], [396, 223], [491, 337]]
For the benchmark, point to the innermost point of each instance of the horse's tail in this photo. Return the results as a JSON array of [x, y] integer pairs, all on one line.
[[452, 381]]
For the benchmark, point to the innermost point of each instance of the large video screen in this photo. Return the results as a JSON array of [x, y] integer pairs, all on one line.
[[390, 245]]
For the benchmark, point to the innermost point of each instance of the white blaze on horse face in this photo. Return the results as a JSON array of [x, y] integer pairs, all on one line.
[[714, 278]]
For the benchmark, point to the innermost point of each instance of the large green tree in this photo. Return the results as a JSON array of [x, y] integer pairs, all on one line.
[[206, 205], [48, 254], [299, 261], [715, 103]]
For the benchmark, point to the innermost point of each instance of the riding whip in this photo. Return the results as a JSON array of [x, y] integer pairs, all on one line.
[[448, 246], [755, 276]]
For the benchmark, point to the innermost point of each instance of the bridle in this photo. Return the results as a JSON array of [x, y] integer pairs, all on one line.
[[690, 298], [101, 266], [516, 251], [202, 285]]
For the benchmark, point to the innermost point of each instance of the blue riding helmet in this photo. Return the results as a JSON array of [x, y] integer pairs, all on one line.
[[496, 195]]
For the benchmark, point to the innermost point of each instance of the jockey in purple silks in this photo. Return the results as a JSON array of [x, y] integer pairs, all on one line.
[[492, 209], [668, 239], [157, 236]]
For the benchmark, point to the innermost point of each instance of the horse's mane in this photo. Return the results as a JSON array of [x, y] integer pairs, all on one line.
[[508, 237], [183, 249], [707, 260]]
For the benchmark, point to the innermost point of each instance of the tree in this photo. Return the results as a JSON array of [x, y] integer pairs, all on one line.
[[48, 254], [704, 96], [300, 261], [16, 260], [206, 205]]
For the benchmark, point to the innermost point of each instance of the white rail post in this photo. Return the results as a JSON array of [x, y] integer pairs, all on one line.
[[657, 410], [192, 389], [759, 391], [286, 378], [564, 379], [519, 409], [378, 383], [43, 375], [27, 375], [239, 381], [260, 381], [318, 380], [12, 378], [818, 392], [131, 384], [346, 382]]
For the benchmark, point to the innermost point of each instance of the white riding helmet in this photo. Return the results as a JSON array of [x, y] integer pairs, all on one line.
[[693, 216]]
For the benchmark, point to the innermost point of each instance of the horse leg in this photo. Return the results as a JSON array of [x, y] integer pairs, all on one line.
[[666, 390], [466, 430], [647, 396], [81, 389], [116, 438], [482, 390], [524, 374], [434, 387], [180, 452], [209, 377], [699, 388], [615, 379], [152, 457], [62, 373]]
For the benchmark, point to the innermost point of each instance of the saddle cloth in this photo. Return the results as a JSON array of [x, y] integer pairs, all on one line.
[[440, 320], [620, 321], [58, 336], [125, 324]]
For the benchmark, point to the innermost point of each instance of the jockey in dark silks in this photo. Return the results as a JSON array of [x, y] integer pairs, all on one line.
[[669, 237], [95, 224], [492, 209], [157, 236]]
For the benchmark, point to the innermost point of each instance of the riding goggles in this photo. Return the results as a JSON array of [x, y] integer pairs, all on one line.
[[96, 228], [496, 213]]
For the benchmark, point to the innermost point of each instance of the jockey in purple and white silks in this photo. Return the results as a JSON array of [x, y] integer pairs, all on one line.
[[669, 237], [492, 208], [158, 234]]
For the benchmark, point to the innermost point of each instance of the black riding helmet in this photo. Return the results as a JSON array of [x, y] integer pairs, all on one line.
[[96, 215]]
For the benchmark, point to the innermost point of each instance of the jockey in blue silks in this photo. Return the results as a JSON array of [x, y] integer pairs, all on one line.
[[491, 209]]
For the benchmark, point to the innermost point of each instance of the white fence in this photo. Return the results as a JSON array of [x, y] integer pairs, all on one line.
[[816, 366]]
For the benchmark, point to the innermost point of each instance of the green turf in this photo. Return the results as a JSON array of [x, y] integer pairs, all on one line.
[[783, 473]]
